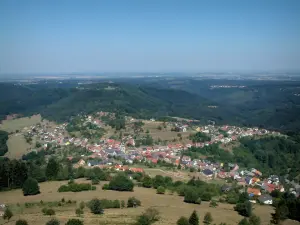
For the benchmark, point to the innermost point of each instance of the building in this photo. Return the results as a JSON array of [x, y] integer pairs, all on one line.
[[266, 199]]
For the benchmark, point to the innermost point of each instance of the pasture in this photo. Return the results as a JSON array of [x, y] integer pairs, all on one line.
[[18, 124], [17, 146], [171, 207]]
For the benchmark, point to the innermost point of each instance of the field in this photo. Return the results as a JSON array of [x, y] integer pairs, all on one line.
[[18, 124], [17, 146], [171, 207], [165, 133]]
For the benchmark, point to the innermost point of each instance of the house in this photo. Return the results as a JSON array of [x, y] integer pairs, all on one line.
[[266, 199], [253, 191], [208, 173]]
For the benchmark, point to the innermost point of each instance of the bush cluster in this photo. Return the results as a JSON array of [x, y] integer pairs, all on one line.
[[75, 187]]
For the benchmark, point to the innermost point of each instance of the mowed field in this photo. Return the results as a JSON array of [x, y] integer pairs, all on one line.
[[171, 207], [17, 146], [18, 124], [165, 133]]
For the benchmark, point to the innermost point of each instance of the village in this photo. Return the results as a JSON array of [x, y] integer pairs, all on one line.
[[104, 152]]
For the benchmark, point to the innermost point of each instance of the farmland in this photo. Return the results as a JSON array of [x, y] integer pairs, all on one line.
[[17, 124], [171, 207]]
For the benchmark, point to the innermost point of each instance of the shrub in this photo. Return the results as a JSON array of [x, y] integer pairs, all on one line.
[[149, 217], [244, 209], [53, 222], [95, 181], [105, 187], [122, 204], [206, 196], [81, 205], [78, 212], [63, 200], [21, 222], [147, 182], [95, 206], [48, 212], [191, 196], [207, 218], [30, 187], [133, 202], [213, 204], [74, 222], [7, 214], [182, 221], [121, 183], [160, 190], [74, 187], [116, 204]]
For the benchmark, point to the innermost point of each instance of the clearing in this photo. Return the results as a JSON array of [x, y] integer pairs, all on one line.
[[17, 146], [171, 207], [18, 124]]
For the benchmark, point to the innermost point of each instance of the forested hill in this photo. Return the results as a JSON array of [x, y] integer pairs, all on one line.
[[58, 103]]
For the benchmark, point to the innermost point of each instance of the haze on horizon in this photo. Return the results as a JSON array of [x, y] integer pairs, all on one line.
[[148, 36]]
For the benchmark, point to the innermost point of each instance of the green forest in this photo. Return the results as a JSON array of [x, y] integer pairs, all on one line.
[[269, 105]]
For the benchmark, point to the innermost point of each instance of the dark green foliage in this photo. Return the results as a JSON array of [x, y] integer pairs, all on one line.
[[31, 187], [76, 187], [3, 140], [206, 196], [13, 174], [244, 221], [207, 218], [244, 209], [191, 196], [157, 181], [105, 187], [52, 169], [199, 137], [74, 222], [121, 183], [194, 218], [147, 181], [7, 214], [95, 206], [133, 202], [182, 221], [160, 190], [53, 222], [95, 181], [254, 220]]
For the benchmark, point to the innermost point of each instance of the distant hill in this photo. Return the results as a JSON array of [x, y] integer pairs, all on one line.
[[270, 105]]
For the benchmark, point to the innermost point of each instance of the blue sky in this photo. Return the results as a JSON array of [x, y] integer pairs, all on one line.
[[61, 36]]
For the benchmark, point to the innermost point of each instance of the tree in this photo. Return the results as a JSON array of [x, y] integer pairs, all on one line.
[[7, 214], [281, 213], [160, 190], [158, 180], [52, 169], [254, 220], [147, 182], [194, 219], [182, 221], [191, 196], [121, 183], [78, 212], [243, 197], [244, 209], [244, 222], [21, 222], [74, 222], [53, 222], [207, 218], [31, 187], [95, 206]]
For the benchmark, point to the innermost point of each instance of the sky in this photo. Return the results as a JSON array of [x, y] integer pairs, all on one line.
[[87, 36]]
